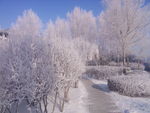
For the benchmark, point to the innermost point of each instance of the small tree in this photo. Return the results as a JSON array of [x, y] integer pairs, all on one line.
[[67, 64]]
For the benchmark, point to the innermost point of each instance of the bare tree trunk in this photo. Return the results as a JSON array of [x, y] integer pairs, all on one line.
[[37, 111], [118, 59], [45, 104], [17, 106], [65, 99], [54, 105], [27, 100], [76, 84], [67, 94], [39, 107], [62, 106], [2, 109], [127, 61], [124, 54], [138, 64], [8, 109], [124, 58]]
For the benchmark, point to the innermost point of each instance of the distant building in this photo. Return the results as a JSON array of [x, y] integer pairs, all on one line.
[[3, 34]]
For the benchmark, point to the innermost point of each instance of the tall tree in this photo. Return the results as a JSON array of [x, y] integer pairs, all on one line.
[[29, 24], [82, 24], [125, 22]]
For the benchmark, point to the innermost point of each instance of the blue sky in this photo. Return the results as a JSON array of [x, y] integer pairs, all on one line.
[[45, 9]]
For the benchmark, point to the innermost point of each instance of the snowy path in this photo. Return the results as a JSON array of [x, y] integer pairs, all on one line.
[[99, 101]]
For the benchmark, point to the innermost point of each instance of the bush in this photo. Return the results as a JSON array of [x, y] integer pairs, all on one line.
[[138, 73], [112, 63], [147, 66], [103, 72], [136, 66], [91, 63], [134, 86]]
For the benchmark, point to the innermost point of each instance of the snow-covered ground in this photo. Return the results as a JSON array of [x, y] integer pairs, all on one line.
[[124, 103], [77, 103], [131, 104]]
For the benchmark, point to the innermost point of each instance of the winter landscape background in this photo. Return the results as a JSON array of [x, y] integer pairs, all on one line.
[[95, 59]]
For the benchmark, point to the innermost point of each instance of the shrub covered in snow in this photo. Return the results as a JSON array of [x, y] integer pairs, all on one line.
[[103, 72], [138, 73], [136, 66], [112, 63], [130, 85]]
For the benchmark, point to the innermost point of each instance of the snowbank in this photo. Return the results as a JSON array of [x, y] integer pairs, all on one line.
[[130, 104], [124, 103]]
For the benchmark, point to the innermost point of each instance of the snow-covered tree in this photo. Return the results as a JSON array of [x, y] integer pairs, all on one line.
[[67, 64], [60, 28], [82, 24], [88, 51], [125, 22], [26, 66], [29, 24]]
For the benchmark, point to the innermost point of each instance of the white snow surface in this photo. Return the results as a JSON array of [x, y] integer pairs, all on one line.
[[126, 104], [77, 103], [131, 104]]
